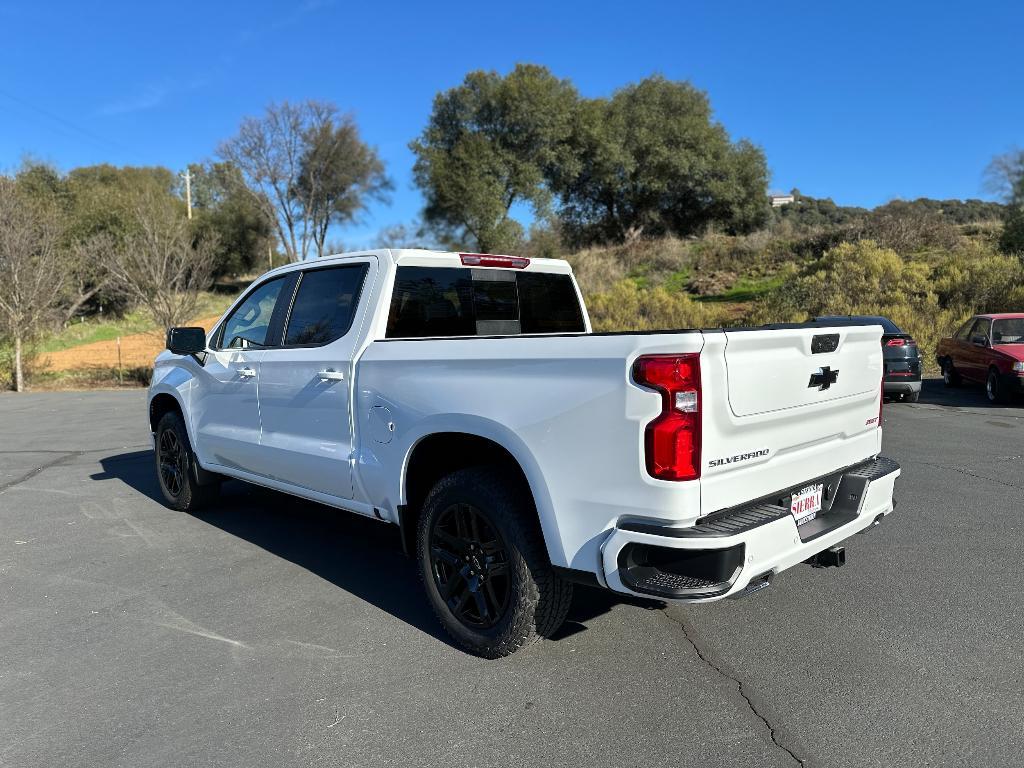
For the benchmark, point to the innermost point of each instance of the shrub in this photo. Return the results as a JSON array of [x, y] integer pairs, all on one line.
[[1012, 238], [928, 296], [627, 307]]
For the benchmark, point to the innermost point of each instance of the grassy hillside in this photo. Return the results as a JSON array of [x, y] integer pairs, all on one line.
[[97, 329], [84, 354], [928, 279], [926, 273]]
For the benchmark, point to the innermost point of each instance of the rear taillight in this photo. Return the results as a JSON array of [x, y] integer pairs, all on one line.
[[487, 260], [901, 343], [672, 441]]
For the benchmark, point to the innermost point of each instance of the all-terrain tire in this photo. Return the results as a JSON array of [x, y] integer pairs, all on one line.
[[177, 470], [535, 600]]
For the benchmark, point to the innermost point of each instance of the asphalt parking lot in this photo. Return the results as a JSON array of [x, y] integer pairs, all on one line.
[[270, 631]]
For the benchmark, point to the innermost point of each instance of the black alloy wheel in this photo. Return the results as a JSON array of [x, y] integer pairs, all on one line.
[[484, 564], [172, 463], [177, 468], [469, 563]]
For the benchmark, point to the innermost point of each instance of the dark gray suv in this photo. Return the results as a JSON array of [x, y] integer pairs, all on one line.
[[899, 351]]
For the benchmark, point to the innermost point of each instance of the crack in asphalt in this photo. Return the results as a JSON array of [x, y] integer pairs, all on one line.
[[33, 472], [64, 457], [705, 654], [79, 453], [965, 472], [964, 410]]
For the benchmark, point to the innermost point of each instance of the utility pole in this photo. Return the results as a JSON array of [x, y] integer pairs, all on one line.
[[187, 176]]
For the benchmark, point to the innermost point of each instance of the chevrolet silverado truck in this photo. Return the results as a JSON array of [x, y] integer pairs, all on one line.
[[465, 399]]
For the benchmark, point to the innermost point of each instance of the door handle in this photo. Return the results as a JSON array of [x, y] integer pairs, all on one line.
[[331, 375], [246, 373]]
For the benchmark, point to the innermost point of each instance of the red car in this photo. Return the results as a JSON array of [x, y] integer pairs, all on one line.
[[989, 350]]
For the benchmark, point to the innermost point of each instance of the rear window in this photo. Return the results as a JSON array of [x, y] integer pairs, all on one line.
[[446, 301]]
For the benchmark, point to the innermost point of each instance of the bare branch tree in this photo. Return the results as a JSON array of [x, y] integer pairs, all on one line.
[[307, 169], [268, 151], [160, 265], [339, 174], [31, 269], [88, 273]]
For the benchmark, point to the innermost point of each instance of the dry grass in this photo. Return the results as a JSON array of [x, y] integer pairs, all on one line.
[[137, 351]]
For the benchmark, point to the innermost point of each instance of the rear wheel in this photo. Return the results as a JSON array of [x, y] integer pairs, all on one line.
[[912, 397], [177, 468], [484, 565], [950, 376]]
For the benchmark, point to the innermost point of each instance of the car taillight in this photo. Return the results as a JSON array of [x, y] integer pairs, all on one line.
[[487, 260], [672, 441], [901, 343]]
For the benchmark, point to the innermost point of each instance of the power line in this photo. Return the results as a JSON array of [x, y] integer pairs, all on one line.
[[61, 120]]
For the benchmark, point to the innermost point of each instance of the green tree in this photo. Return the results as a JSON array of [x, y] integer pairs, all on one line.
[[489, 145], [100, 214], [225, 214], [651, 161], [338, 174], [1005, 176]]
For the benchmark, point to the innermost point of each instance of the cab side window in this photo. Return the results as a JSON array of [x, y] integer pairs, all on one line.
[[249, 324], [324, 306]]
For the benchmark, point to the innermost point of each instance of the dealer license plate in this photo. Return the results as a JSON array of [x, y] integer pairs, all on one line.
[[806, 504]]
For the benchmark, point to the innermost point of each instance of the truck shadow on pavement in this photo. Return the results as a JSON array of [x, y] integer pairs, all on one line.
[[360, 555]]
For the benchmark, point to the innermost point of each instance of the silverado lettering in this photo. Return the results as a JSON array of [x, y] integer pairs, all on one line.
[[739, 457]]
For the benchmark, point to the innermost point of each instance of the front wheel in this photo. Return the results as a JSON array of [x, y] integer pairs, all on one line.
[[994, 389], [484, 565], [177, 468]]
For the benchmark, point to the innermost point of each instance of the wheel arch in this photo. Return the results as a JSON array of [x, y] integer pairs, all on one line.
[[439, 453], [160, 405]]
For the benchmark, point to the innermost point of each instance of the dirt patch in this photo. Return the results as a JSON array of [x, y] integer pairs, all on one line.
[[137, 350]]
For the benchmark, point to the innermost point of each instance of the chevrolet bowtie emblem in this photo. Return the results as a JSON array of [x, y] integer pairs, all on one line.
[[823, 378]]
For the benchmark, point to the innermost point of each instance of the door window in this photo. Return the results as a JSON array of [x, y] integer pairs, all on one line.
[[249, 324], [964, 334], [324, 306], [980, 329]]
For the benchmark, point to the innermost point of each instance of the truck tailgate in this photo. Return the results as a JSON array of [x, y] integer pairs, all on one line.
[[783, 406]]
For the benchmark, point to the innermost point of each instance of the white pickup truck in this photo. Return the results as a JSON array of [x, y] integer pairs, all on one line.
[[464, 399]]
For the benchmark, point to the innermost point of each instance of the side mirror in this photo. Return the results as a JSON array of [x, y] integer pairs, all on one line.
[[979, 341], [186, 341]]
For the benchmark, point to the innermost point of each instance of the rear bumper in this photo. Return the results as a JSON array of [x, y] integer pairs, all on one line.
[[725, 554], [901, 385]]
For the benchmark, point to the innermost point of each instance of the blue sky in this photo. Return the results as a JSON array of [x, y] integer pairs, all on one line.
[[860, 102]]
